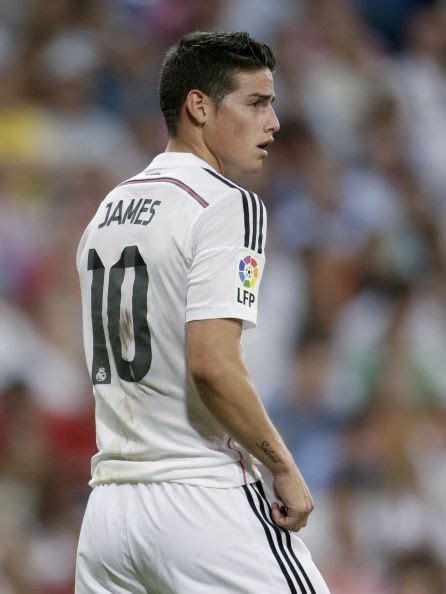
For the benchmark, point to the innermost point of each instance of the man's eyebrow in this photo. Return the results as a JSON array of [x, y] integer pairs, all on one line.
[[263, 96]]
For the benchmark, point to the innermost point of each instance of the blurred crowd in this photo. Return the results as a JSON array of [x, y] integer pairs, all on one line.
[[350, 349]]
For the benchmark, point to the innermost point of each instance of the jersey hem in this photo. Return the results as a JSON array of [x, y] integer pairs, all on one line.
[[248, 478]]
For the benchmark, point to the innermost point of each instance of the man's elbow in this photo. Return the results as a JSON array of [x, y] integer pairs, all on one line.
[[213, 350], [205, 369]]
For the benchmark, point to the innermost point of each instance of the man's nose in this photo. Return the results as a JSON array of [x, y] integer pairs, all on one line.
[[273, 122]]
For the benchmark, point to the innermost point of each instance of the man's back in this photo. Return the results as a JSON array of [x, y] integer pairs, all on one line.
[[175, 243]]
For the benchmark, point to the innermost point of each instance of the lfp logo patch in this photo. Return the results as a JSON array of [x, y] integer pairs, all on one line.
[[248, 271]]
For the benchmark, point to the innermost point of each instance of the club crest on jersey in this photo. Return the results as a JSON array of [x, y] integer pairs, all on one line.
[[101, 375], [248, 272]]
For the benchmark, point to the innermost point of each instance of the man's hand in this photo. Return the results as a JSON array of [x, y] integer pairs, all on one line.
[[295, 501]]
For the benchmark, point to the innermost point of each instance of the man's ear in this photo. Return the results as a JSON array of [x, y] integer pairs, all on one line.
[[198, 106]]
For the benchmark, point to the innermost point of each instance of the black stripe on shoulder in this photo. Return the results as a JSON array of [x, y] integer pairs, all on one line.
[[246, 217], [260, 245], [261, 491], [270, 540], [259, 219], [245, 204], [221, 178], [258, 214], [254, 220]]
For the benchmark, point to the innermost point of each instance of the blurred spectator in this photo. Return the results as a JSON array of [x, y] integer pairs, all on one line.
[[333, 71], [69, 62], [23, 123], [261, 19], [418, 572], [389, 18], [419, 83], [309, 427]]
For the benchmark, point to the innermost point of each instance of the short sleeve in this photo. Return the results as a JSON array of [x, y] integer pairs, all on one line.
[[228, 259]]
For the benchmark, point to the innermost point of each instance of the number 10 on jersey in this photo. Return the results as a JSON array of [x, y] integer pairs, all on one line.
[[130, 371]]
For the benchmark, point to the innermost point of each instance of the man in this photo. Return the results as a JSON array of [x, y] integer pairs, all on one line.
[[170, 268]]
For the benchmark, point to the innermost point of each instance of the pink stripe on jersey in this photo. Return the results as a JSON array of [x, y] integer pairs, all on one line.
[[241, 458], [169, 180]]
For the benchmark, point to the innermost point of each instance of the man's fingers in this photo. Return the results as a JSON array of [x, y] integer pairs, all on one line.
[[277, 514], [293, 522]]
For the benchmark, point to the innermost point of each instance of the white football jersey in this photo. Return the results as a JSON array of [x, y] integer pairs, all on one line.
[[178, 242]]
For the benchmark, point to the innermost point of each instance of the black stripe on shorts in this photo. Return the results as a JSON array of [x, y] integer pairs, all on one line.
[[279, 538], [286, 533], [273, 548]]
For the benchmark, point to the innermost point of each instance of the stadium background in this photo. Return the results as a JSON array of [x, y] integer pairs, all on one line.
[[350, 351]]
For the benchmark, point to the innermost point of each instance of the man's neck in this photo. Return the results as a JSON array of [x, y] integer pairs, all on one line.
[[181, 145]]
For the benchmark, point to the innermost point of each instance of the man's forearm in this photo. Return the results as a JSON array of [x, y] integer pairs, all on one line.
[[232, 398]]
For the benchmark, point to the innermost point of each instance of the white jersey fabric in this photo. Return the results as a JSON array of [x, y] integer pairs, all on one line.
[[176, 243]]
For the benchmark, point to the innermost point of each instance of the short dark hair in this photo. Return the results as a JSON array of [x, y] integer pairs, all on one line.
[[208, 62]]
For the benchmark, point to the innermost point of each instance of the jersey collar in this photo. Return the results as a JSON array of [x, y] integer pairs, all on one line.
[[172, 159]]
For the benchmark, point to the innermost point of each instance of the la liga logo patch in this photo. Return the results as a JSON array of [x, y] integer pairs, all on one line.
[[248, 272]]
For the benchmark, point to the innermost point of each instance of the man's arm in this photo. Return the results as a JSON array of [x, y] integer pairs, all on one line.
[[225, 385]]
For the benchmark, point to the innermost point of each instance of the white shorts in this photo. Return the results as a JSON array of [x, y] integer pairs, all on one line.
[[171, 538]]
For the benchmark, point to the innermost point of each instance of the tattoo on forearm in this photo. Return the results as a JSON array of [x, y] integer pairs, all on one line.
[[266, 449]]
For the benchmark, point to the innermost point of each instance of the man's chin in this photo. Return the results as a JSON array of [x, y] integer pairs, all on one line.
[[251, 168], [239, 170], [257, 166]]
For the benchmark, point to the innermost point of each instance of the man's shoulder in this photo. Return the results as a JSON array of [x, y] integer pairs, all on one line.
[[235, 200], [223, 194], [234, 210], [224, 186]]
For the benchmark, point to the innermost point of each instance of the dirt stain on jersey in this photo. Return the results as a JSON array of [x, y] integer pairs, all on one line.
[[126, 332], [127, 409], [126, 335]]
